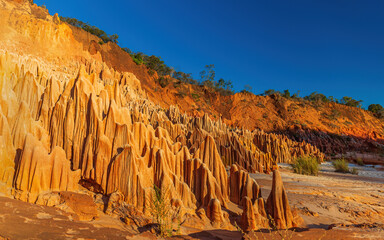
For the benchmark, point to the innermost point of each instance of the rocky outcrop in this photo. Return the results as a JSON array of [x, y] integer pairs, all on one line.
[[278, 206], [38, 172], [214, 212], [282, 149], [253, 216], [242, 185], [88, 132], [80, 204]]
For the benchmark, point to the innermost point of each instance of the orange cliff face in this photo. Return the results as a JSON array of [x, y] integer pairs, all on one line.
[[331, 127]]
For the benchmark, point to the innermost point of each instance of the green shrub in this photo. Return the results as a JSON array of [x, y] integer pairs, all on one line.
[[355, 171], [348, 101], [195, 96], [151, 72], [306, 165], [137, 58], [163, 81], [181, 94], [360, 162], [224, 87], [160, 210], [377, 110], [177, 84], [137, 61], [91, 29], [260, 105], [184, 77], [341, 165], [316, 97], [270, 92]]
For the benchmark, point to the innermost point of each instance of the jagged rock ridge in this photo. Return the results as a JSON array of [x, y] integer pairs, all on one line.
[[109, 138], [97, 129]]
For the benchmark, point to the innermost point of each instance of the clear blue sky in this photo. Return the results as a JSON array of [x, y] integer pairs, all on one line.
[[335, 47]]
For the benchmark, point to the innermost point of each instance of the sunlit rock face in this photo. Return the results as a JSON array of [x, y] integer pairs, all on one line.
[[110, 139], [69, 125]]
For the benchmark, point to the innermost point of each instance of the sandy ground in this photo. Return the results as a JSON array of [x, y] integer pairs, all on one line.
[[20, 220], [333, 198], [333, 206], [354, 203]]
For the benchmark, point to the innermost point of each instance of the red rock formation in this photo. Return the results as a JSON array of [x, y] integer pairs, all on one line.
[[82, 205], [79, 122], [38, 172], [278, 206], [252, 218], [214, 212], [242, 185], [114, 147]]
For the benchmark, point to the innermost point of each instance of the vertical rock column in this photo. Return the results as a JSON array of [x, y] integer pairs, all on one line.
[[278, 206]]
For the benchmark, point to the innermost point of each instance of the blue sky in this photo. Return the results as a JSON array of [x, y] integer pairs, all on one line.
[[329, 46]]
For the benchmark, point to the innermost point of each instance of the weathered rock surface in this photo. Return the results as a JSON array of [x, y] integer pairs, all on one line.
[[214, 212], [82, 205], [278, 206], [242, 185], [37, 171], [78, 123]]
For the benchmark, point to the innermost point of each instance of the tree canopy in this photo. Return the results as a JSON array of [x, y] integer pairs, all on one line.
[[222, 86], [317, 97], [91, 29], [351, 102], [377, 110]]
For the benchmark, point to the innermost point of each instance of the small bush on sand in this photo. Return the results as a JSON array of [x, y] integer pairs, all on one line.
[[355, 171], [360, 162], [160, 209], [162, 212], [341, 165], [306, 165]]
